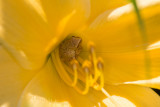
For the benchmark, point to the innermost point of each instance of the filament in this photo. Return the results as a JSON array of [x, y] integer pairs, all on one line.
[[86, 88], [75, 73], [63, 74], [94, 61]]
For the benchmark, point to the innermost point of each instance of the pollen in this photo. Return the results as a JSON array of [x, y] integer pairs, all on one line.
[[77, 72]]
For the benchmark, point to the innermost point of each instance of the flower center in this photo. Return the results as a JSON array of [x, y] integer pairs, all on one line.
[[75, 71]]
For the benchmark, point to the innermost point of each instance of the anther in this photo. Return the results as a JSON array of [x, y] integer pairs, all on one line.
[[91, 47], [86, 65], [100, 63], [86, 68]]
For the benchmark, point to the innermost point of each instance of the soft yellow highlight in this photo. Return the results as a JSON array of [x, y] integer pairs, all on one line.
[[121, 102], [110, 98], [128, 8], [36, 100], [38, 7], [63, 22], [154, 83], [59, 31], [100, 6], [153, 46], [4, 105]]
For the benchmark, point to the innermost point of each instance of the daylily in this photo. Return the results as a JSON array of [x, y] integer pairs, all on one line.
[[33, 74]]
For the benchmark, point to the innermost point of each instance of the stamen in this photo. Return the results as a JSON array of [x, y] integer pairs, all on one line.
[[63, 74], [94, 60], [100, 63], [75, 73], [86, 89], [86, 65], [100, 68], [74, 65]]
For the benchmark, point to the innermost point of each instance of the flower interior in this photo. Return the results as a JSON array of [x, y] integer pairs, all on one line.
[[75, 71]]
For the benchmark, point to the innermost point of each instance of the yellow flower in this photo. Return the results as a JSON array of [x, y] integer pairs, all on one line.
[[32, 74]]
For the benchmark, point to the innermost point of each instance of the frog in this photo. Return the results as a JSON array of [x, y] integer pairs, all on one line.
[[70, 49]]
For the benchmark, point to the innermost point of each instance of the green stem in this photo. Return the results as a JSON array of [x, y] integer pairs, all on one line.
[[144, 38]]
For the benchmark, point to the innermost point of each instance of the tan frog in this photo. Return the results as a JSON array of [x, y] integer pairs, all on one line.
[[69, 49]]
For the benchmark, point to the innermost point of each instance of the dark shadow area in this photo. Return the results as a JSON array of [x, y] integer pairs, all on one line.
[[157, 91]]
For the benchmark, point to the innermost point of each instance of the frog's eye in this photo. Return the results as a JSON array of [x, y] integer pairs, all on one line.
[[76, 71]]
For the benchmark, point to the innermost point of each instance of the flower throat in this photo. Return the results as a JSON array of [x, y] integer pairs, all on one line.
[[74, 70]]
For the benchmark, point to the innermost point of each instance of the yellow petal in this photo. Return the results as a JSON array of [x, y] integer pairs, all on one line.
[[131, 96], [119, 43], [43, 88], [47, 89], [56, 11], [13, 79], [154, 83], [100, 6], [30, 29]]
